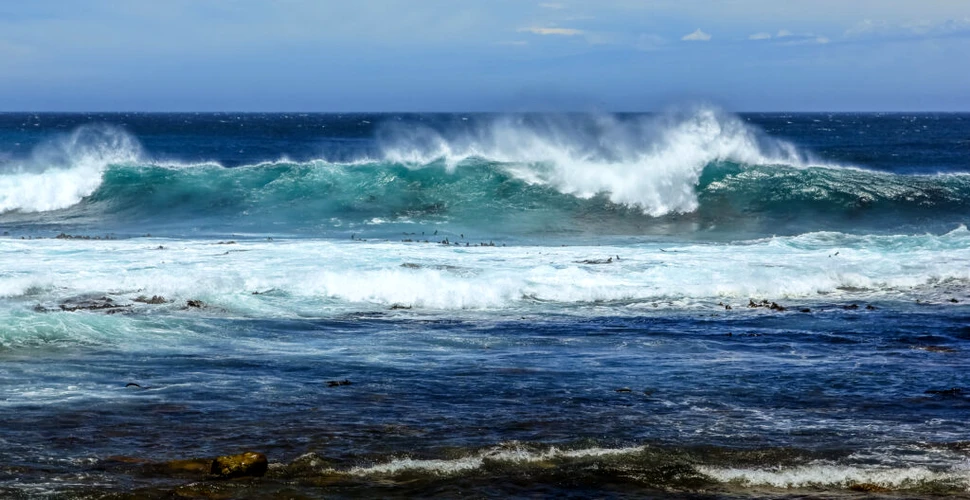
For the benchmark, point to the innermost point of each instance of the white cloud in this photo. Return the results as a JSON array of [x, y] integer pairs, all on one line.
[[552, 31], [785, 37], [697, 36], [805, 39], [517, 43]]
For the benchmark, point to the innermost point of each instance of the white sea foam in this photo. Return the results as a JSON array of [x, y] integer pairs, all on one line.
[[62, 172], [653, 163], [325, 277], [509, 453], [839, 476]]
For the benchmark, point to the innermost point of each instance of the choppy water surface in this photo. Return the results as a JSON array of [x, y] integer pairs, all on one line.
[[688, 304]]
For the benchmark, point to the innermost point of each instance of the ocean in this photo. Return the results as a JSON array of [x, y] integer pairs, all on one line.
[[691, 304]]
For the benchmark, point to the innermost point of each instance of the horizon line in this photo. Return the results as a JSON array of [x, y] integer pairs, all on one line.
[[478, 112]]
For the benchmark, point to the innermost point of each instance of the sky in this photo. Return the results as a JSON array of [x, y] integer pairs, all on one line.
[[484, 55]]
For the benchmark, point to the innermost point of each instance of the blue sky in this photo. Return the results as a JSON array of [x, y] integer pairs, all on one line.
[[484, 55]]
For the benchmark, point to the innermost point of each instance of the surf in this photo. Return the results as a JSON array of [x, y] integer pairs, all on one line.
[[558, 174]]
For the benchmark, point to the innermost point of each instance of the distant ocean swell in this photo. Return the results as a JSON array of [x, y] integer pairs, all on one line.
[[705, 163]]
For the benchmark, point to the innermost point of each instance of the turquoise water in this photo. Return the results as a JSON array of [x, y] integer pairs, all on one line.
[[524, 305]]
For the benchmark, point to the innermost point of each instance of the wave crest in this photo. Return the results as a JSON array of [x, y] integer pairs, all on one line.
[[652, 163], [62, 172]]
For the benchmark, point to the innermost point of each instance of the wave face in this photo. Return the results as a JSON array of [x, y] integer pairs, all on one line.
[[605, 174]]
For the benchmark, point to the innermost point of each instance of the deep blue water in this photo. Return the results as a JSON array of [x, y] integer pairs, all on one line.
[[685, 304]]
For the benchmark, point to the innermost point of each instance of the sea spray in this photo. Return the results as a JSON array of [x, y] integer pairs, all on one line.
[[63, 171], [652, 163]]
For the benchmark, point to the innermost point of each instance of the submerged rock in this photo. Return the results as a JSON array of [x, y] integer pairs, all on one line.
[[195, 303], [155, 299], [199, 466], [250, 464], [105, 304], [593, 261], [868, 488], [774, 306]]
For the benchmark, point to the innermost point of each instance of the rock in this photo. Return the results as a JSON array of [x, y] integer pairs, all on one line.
[[336, 383], [868, 488], [199, 466], [870, 307], [105, 304], [248, 464], [851, 307], [955, 301], [805, 310], [624, 389], [764, 303], [195, 303], [399, 306], [206, 491], [156, 299], [587, 261]]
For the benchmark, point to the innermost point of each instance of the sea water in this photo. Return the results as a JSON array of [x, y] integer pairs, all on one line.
[[687, 303]]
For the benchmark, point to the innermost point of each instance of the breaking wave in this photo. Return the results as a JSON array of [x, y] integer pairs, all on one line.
[[704, 163]]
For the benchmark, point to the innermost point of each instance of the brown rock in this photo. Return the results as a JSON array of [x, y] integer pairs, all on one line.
[[194, 466], [250, 464], [868, 488]]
